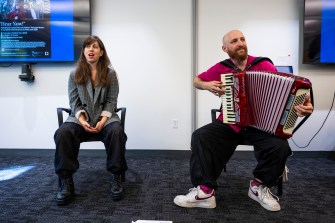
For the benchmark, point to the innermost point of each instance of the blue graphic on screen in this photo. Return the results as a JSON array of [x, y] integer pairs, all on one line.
[[327, 54], [61, 15]]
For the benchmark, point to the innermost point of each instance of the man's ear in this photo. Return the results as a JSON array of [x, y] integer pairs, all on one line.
[[224, 49]]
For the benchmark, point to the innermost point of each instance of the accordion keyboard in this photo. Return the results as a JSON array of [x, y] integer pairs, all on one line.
[[229, 115]]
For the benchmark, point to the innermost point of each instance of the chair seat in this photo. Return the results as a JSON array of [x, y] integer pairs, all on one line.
[[93, 138]]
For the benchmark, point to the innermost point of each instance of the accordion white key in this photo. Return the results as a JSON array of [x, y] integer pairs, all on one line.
[[263, 100]]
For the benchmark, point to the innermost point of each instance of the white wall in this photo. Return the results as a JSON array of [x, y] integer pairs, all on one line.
[[28, 111], [150, 45]]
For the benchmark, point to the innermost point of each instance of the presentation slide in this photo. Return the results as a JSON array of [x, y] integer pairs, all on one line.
[[36, 30], [27, 39]]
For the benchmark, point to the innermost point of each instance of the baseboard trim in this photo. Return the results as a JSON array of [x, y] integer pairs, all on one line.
[[157, 153]]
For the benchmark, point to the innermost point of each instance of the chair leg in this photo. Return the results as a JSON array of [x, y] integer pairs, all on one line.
[[226, 177], [280, 186]]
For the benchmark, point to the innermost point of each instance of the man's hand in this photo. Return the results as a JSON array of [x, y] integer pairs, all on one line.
[[306, 108], [215, 87]]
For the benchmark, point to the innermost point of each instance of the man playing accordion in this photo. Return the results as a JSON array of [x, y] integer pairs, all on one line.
[[213, 144]]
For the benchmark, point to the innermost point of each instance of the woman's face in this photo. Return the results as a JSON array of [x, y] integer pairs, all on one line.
[[93, 52]]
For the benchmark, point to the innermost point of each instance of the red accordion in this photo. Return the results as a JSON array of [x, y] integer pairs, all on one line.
[[264, 100]]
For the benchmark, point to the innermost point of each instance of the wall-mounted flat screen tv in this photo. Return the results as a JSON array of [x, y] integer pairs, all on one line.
[[43, 30], [319, 32]]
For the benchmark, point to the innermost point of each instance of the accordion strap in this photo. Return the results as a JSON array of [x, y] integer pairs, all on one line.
[[229, 63], [307, 116]]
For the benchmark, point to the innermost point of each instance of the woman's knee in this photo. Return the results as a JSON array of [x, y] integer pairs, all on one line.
[[116, 129], [62, 132]]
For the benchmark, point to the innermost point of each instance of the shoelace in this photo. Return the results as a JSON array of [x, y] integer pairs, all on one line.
[[116, 181], [66, 184], [267, 193], [192, 192]]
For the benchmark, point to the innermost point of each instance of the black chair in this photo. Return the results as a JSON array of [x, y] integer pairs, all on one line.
[[93, 138], [245, 142]]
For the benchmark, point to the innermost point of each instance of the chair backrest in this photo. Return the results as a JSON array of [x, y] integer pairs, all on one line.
[[60, 111], [213, 114]]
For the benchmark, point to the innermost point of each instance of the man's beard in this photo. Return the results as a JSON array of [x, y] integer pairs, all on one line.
[[234, 55]]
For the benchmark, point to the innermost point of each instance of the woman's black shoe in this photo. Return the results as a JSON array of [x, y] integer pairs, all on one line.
[[116, 187], [66, 192]]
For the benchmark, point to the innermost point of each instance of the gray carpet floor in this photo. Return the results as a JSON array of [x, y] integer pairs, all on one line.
[[152, 181]]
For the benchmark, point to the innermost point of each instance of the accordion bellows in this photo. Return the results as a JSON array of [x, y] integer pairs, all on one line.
[[263, 100]]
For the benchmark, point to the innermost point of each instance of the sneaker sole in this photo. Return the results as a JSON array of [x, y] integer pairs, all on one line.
[[65, 201], [117, 197], [255, 198], [198, 204]]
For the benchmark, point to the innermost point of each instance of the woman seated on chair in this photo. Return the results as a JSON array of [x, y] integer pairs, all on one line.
[[93, 91]]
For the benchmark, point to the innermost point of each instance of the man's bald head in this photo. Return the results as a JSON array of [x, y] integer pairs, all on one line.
[[234, 44]]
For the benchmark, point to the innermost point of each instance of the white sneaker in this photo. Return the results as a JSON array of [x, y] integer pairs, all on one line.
[[196, 198], [264, 196]]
